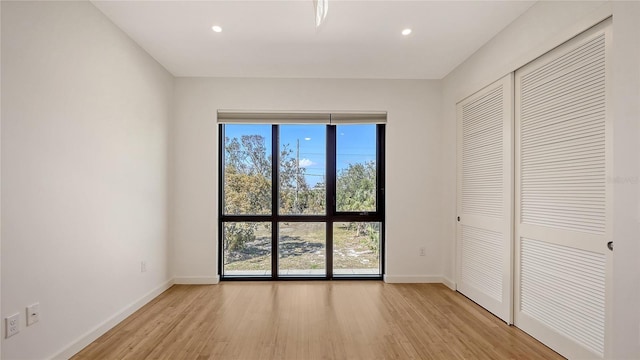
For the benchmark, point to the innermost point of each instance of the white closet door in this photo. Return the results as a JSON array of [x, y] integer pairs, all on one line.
[[485, 192], [563, 160]]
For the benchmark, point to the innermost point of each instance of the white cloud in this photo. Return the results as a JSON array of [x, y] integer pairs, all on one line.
[[306, 163]]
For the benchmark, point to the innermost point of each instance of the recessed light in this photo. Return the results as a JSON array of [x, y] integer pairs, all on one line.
[[307, 138], [216, 28], [406, 32]]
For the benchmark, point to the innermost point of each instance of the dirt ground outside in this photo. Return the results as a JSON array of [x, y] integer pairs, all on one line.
[[302, 246]]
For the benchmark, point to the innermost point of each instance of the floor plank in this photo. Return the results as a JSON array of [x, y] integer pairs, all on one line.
[[313, 320]]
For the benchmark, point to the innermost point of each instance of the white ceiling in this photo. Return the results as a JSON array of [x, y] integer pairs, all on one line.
[[360, 39]]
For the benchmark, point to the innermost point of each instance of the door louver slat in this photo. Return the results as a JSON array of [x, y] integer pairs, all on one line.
[[564, 289], [576, 140], [479, 247], [482, 170]]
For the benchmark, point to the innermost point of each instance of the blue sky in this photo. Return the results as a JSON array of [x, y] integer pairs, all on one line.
[[356, 144]]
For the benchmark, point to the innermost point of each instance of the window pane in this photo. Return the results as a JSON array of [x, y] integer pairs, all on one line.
[[247, 248], [302, 248], [356, 168], [247, 169], [302, 169], [356, 248]]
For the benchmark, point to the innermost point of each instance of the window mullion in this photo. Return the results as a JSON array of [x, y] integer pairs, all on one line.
[[330, 195], [381, 182], [221, 142], [380, 169], [275, 196]]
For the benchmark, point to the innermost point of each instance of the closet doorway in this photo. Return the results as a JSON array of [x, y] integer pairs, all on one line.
[[534, 200]]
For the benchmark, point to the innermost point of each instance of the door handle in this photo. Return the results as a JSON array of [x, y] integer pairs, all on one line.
[[610, 245]]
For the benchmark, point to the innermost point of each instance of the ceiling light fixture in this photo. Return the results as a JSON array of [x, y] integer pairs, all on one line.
[[322, 7], [406, 32], [216, 28]]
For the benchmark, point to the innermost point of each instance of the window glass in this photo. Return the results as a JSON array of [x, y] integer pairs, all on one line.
[[356, 168], [356, 248], [302, 248], [247, 169], [302, 169], [247, 248]]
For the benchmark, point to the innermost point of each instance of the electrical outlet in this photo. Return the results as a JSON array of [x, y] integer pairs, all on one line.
[[423, 251], [33, 314], [13, 325], [143, 266]]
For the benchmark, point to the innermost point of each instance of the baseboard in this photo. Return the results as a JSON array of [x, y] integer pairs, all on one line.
[[449, 283], [107, 325], [196, 280], [399, 279]]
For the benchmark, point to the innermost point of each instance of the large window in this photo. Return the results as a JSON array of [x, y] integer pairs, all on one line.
[[301, 201]]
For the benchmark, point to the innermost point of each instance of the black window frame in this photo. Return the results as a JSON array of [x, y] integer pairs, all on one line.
[[329, 218]]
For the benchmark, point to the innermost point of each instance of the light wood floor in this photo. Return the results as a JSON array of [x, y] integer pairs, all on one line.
[[314, 320]]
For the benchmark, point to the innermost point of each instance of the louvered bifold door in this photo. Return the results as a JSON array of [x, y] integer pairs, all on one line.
[[563, 160], [485, 193]]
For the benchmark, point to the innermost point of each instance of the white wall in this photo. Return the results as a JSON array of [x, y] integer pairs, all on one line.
[[412, 155], [545, 25], [85, 121], [87, 144]]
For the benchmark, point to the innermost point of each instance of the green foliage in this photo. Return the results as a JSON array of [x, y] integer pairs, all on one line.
[[247, 180], [356, 191], [293, 185], [367, 233], [246, 193], [373, 236], [247, 189], [296, 196], [237, 234], [247, 186], [356, 188]]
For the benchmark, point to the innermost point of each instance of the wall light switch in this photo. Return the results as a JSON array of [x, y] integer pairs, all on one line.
[[33, 314]]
